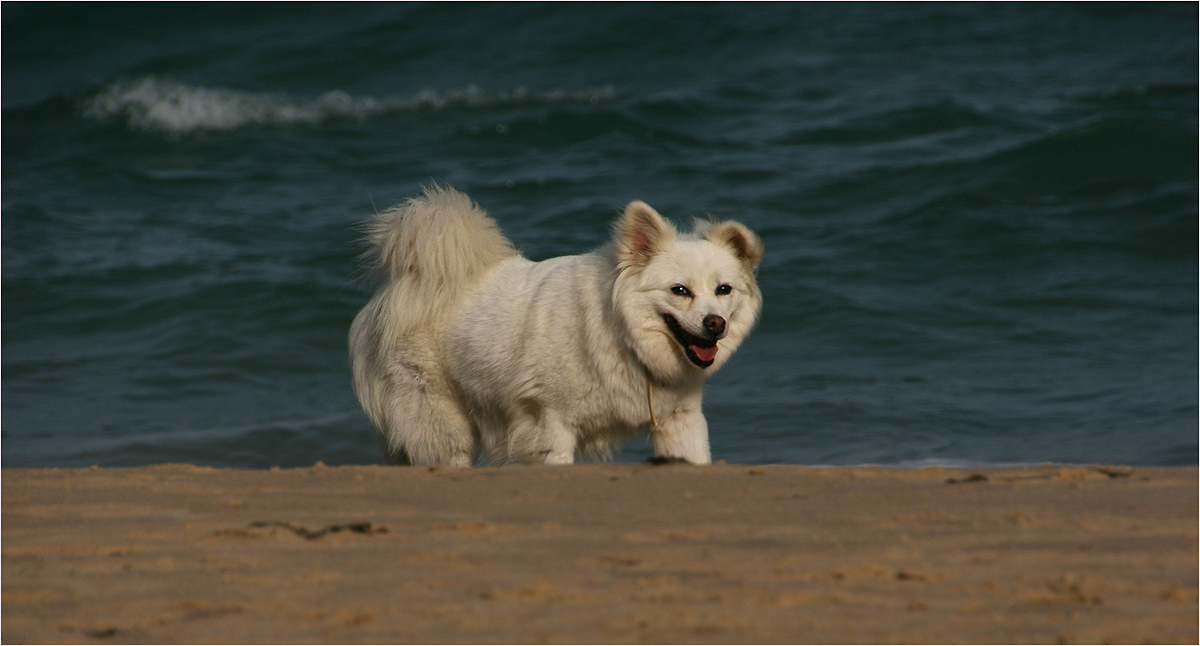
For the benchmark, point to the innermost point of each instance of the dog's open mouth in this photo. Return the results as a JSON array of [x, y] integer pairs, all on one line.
[[699, 350]]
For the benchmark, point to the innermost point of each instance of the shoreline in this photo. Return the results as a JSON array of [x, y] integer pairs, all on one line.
[[619, 553]]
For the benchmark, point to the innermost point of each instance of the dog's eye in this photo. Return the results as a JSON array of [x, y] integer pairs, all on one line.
[[680, 290], [723, 290]]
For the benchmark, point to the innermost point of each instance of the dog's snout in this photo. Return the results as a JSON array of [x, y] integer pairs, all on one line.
[[715, 325]]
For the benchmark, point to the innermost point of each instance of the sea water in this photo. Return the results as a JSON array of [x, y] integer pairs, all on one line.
[[980, 219]]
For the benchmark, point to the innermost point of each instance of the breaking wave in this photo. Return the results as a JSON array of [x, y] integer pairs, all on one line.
[[166, 105]]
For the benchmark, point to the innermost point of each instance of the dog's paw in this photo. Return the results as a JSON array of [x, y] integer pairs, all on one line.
[[659, 460]]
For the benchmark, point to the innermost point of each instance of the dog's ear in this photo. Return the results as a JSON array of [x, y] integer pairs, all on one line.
[[744, 243], [641, 233]]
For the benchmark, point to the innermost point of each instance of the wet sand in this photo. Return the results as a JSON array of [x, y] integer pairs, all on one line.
[[600, 553]]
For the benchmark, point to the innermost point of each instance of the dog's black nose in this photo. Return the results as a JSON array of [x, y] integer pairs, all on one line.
[[715, 325]]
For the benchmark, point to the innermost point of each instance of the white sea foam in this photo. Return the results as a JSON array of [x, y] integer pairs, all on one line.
[[163, 104]]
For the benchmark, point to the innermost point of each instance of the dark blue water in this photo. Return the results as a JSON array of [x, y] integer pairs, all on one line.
[[980, 220]]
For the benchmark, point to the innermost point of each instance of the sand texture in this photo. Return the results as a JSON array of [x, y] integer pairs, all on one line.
[[600, 553]]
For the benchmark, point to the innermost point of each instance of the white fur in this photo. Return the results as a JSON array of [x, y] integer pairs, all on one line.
[[467, 342]]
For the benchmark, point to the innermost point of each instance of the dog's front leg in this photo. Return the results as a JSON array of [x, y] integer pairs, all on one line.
[[683, 434]]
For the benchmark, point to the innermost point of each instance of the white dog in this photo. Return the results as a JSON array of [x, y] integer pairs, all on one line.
[[468, 342]]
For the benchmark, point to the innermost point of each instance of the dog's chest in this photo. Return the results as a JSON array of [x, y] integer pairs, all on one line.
[[624, 408]]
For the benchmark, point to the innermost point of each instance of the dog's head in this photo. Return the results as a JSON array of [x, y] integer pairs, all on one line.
[[687, 300]]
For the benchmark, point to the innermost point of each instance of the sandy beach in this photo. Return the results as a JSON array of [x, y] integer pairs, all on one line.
[[600, 553]]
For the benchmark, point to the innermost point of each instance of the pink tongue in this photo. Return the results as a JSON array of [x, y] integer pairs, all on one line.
[[704, 353]]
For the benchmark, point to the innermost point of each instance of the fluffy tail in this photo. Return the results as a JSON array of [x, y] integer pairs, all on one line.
[[428, 251], [440, 240]]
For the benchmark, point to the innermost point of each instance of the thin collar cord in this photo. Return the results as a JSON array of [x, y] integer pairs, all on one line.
[[650, 401]]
